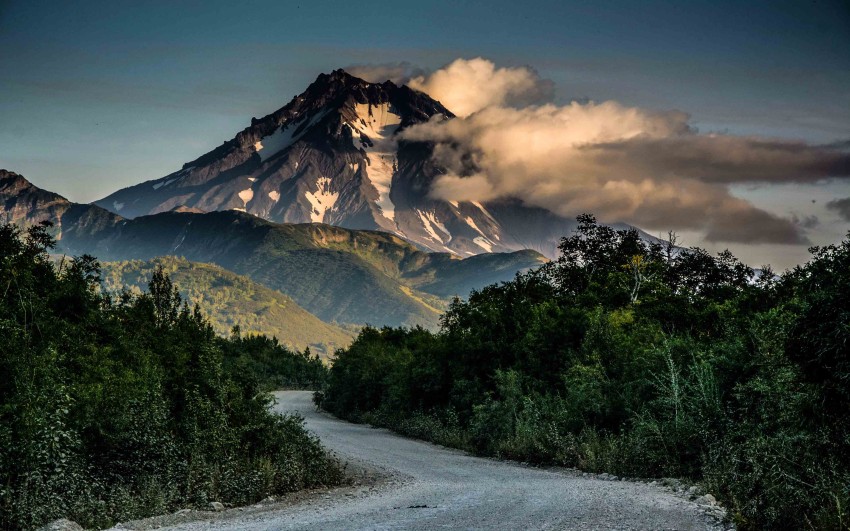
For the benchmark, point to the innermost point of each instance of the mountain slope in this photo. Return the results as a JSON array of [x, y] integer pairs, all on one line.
[[327, 157], [361, 277], [75, 225], [334, 285], [332, 156], [460, 277], [339, 275], [230, 299]]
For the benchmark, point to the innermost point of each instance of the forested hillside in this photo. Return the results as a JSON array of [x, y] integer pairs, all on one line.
[[230, 300], [636, 359], [114, 408], [354, 277]]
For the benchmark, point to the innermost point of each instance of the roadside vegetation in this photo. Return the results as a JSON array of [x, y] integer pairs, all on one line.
[[115, 407], [636, 359]]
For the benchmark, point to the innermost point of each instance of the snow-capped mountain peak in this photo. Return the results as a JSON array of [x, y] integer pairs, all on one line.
[[332, 155]]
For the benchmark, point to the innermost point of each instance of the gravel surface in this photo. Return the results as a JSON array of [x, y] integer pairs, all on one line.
[[407, 484]]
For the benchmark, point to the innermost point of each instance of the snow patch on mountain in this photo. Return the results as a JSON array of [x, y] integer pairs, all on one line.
[[471, 223], [164, 182], [285, 136], [429, 221], [484, 211], [432, 217], [275, 142], [378, 122], [322, 200], [274, 195], [490, 217], [428, 227], [118, 206], [484, 243], [180, 242], [246, 195], [380, 173]]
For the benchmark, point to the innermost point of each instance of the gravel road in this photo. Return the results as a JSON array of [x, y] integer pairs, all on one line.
[[426, 486]]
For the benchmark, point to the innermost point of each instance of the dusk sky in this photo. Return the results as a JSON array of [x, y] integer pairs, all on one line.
[[96, 96]]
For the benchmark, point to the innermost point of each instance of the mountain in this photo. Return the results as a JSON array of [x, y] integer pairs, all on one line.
[[339, 275], [229, 299], [331, 155], [75, 224]]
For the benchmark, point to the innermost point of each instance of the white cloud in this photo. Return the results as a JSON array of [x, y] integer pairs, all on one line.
[[621, 163], [469, 85]]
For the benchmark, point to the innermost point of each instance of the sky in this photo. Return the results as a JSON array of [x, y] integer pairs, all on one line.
[[96, 96]]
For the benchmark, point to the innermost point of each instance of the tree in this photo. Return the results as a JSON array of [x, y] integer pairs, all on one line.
[[165, 298]]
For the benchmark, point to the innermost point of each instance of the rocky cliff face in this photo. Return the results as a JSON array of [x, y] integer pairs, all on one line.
[[26, 204], [75, 225], [332, 155]]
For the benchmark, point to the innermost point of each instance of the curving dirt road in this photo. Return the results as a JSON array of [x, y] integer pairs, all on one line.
[[431, 487]]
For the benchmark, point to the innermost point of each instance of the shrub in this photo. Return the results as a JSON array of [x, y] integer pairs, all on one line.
[[120, 408]]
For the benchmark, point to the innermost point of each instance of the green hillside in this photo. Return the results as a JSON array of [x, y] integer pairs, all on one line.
[[338, 275], [454, 277], [234, 300]]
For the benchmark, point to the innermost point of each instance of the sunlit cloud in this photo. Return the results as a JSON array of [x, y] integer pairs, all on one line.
[[649, 168], [469, 85]]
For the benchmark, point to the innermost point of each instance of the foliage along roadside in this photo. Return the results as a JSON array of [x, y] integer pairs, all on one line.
[[114, 408], [636, 359]]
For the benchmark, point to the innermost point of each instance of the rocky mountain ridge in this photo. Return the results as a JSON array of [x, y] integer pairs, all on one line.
[[339, 275], [332, 155]]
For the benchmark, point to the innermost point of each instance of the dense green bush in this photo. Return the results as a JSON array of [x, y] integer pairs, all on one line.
[[121, 407], [273, 365], [636, 359]]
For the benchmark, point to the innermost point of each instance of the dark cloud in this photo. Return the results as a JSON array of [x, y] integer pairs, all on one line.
[[841, 207], [725, 159], [806, 222], [753, 225]]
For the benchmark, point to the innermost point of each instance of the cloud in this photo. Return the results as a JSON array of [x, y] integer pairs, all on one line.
[[841, 207], [469, 85], [621, 163], [806, 222], [399, 73], [725, 159]]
